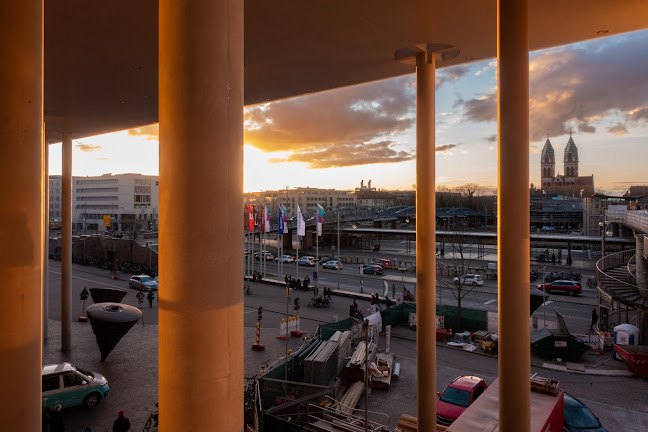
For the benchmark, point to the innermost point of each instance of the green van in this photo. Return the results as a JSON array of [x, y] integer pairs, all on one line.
[[67, 385]]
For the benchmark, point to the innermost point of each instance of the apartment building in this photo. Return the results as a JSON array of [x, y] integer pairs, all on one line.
[[307, 198], [119, 202]]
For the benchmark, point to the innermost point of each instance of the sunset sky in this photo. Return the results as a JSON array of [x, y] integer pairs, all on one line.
[[597, 89]]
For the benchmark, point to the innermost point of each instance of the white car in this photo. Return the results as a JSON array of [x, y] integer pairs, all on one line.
[[333, 264], [469, 279], [306, 261], [285, 258], [143, 282]]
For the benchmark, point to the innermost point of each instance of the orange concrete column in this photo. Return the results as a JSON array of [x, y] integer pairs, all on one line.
[[66, 243], [513, 214], [425, 243], [201, 256], [21, 207]]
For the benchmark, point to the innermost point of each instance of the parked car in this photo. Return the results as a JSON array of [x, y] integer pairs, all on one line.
[[469, 279], [325, 260], [306, 261], [578, 418], [372, 268], [458, 396], [267, 256], [143, 282], [285, 258], [333, 264], [67, 385], [572, 288], [385, 263]]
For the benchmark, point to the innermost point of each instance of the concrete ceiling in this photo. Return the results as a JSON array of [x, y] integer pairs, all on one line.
[[101, 57]]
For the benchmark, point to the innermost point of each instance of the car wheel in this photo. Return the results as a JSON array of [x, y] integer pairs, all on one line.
[[571, 293], [91, 400], [131, 286]]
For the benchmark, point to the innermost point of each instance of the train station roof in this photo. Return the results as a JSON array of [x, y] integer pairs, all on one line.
[[101, 57]]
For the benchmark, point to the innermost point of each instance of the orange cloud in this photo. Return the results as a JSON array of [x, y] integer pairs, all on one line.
[[352, 126], [88, 147], [150, 132]]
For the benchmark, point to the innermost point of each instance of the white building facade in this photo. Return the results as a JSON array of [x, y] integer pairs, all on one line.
[[120, 202]]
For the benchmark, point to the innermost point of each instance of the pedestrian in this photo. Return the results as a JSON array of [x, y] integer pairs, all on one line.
[[122, 424], [56, 420], [298, 284], [315, 291], [140, 299], [46, 419], [594, 320], [553, 258], [150, 298], [327, 293], [286, 279], [394, 288]]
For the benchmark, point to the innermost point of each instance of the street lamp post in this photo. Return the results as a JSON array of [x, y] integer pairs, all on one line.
[[338, 244]]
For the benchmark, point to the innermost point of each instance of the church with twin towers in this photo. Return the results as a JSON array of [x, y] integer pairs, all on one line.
[[569, 183]]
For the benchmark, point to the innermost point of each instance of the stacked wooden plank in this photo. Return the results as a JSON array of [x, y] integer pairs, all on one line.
[[384, 362], [350, 399], [355, 369], [344, 346], [321, 366], [408, 423]]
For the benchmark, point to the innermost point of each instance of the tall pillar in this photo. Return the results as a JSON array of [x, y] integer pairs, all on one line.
[[201, 256], [21, 207], [425, 243], [513, 214], [66, 243], [425, 56]]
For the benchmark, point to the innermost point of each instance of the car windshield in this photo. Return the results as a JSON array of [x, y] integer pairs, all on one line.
[[86, 373], [146, 279], [455, 396], [581, 418]]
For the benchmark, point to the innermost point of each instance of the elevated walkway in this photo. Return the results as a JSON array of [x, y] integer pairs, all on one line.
[[616, 281]]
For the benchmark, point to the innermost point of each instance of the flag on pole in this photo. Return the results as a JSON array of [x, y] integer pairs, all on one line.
[[263, 218], [320, 219], [280, 221], [251, 218], [301, 224], [285, 217], [267, 219], [246, 216]]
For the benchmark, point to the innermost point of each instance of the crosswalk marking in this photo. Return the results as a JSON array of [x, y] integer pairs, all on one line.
[[489, 301]]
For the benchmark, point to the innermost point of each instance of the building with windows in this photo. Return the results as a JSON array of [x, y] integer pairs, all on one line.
[[130, 201], [307, 198]]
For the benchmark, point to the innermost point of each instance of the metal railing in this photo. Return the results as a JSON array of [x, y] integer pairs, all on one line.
[[623, 291], [635, 219]]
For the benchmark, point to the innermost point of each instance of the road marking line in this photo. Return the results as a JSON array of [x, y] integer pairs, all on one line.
[[489, 301], [90, 280], [547, 302]]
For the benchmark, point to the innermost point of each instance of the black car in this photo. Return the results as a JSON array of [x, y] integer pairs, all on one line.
[[372, 268], [578, 418]]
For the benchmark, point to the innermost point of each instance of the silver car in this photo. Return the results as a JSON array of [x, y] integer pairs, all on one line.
[[143, 282], [333, 264]]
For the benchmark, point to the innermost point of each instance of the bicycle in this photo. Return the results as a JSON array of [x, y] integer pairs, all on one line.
[[153, 417]]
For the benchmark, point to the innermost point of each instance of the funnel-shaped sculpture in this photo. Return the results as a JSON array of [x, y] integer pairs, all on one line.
[[110, 322], [107, 295]]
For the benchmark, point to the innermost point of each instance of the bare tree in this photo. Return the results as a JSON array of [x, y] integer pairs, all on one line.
[[453, 277]]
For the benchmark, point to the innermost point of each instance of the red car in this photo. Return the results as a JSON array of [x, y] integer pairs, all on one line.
[[385, 263], [572, 288], [458, 396]]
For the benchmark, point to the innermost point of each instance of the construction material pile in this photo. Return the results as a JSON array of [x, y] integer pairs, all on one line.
[[321, 367], [344, 346]]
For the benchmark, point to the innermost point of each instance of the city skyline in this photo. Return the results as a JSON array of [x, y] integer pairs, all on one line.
[[597, 90]]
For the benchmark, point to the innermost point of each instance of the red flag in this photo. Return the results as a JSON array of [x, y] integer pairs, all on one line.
[[246, 216], [251, 218], [263, 219]]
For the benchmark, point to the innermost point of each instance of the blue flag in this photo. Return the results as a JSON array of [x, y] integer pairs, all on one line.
[[282, 227]]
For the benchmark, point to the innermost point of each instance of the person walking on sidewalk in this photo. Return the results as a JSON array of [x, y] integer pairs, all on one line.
[[150, 298], [122, 424], [594, 320]]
